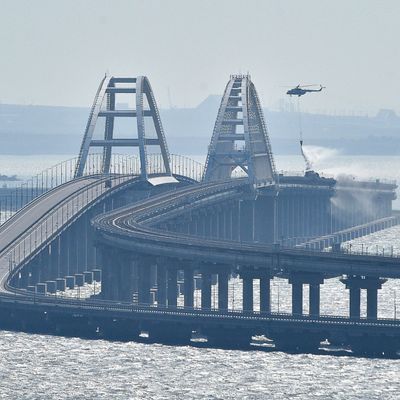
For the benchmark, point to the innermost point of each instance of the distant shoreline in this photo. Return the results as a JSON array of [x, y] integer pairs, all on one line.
[[28, 130]]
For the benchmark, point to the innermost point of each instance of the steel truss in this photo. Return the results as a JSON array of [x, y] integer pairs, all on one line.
[[248, 148], [104, 106]]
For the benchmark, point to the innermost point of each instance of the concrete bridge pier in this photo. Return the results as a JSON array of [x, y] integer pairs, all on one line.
[[248, 295], [227, 234], [144, 264], [206, 283], [24, 278], [248, 274], [221, 222], [34, 272], [161, 283], [209, 223], [371, 284], [43, 263], [172, 285], [54, 262], [125, 278], [90, 243], [223, 280], [265, 292], [188, 288], [314, 280], [246, 220], [64, 254], [214, 215], [202, 222], [81, 245], [73, 249], [107, 272], [191, 227], [235, 221], [264, 216]]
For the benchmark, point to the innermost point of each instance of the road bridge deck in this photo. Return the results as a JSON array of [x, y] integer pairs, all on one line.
[[27, 231], [131, 228]]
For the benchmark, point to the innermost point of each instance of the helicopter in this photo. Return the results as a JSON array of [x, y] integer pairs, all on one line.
[[300, 91]]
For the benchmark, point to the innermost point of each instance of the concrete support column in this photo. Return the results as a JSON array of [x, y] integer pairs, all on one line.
[[81, 246], [188, 287], [161, 284], [34, 272], [228, 223], [355, 284], [91, 251], [314, 280], [372, 303], [247, 209], [264, 219], [314, 300], [221, 223], [44, 265], [54, 263], [73, 250], [223, 278], [208, 222], [144, 271], [172, 274], [265, 294], [297, 298], [24, 280], [106, 264], [64, 254], [247, 293], [214, 222], [125, 269], [205, 289], [235, 221], [202, 218], [355, 302]]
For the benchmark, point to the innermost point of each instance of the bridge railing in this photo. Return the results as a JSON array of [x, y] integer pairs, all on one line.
[[58, 218], [126, 307], [180, 165], [13, 199]]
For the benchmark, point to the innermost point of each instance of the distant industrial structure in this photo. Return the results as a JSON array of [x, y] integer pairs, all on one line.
[[152, 228]]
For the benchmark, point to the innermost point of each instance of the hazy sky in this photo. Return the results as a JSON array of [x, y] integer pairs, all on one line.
[[55, 52]]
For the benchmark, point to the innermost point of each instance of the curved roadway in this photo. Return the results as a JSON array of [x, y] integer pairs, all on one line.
[[134, 228], [24, 234]]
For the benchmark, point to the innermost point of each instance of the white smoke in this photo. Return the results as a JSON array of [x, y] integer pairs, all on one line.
[[318, 156]]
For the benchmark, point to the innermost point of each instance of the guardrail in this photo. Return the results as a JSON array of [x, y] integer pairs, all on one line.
[[338, 238], [13, 199], [129, 308], [56, 219], [16, 198]]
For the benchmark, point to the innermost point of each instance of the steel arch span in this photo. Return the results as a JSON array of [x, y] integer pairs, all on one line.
[[240, 136], [105, 106]]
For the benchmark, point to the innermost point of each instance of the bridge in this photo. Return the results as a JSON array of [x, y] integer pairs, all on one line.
[[153, 227]]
